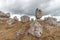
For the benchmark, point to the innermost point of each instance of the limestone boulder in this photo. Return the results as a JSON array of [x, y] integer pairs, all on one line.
[[50, 20], [10, 21], [4, 15], [15, 18], [35, 29], [25, 18]]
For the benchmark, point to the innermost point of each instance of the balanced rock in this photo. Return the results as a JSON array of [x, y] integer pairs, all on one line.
[[25, 18], [35, 29], [38, 13]]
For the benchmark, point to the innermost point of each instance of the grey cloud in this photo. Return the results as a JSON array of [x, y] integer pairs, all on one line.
[[28, 8]]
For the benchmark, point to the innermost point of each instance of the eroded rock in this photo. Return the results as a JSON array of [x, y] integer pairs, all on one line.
[[35, 29]]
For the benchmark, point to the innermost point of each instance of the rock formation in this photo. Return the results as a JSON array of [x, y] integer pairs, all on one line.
[[38, 13], [35, 29], [4, 16], [25, 18]]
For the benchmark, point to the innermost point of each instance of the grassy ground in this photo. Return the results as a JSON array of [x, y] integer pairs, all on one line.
[[8, 33]]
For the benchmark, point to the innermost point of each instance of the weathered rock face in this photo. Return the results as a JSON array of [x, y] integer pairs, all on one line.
[[51, 20], [35, 29], [15, 18], [25, 18], [38, 13]]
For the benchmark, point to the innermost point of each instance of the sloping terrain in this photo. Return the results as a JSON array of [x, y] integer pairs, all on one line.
[[7, 33]]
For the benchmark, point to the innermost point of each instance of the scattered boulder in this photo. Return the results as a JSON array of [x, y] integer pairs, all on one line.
[[15, 18], [10, 22], [35, 29], [50, 20], [25, 18]]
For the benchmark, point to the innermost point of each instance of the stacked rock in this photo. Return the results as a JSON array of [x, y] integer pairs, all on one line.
[[38, 13]]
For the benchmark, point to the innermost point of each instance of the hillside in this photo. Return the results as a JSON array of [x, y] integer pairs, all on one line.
[[26, 29]]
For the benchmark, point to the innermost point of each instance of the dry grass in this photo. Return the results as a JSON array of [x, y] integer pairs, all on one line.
[[8, 34]]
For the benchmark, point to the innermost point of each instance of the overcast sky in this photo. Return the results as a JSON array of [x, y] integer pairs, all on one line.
[[27, 7]]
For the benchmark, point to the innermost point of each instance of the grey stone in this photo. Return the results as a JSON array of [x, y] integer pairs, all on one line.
[[4, 15], [38, 13], [8, 15], [25, 18], [35, 29], [15, 18], [10, 21], [50, 20]]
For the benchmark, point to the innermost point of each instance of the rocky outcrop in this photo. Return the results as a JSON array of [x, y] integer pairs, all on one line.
[[3, 15], [35, 29]]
